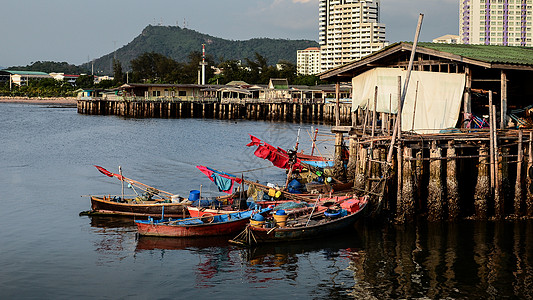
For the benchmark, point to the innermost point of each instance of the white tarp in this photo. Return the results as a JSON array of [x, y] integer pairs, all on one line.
[[438, 97]]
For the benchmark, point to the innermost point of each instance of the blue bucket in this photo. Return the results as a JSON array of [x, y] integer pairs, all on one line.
[[194, 195]]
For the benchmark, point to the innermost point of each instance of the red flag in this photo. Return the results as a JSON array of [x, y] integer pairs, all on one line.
[[104, 171], [255, 141]]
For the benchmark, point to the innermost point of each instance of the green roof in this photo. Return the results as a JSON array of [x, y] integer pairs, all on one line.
[[487, 53]]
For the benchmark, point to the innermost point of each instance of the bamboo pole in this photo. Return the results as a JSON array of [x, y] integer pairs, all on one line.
[[397, 128], [414, 108], [374, 117]]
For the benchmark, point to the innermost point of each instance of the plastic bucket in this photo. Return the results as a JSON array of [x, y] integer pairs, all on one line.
[[281, 220], [257, 223], [194, 195]]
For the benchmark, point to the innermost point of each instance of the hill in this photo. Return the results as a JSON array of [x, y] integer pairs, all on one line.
[[50, 67], [177, 43]]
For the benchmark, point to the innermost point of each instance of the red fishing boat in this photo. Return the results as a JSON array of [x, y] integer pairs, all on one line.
[[223, 224]]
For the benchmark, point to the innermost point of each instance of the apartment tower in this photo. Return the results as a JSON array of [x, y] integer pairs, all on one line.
[[308, 61], [348, 30], [495, 22]]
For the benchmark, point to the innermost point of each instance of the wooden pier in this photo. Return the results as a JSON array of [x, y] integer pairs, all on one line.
[[479, 174], [253, 110]]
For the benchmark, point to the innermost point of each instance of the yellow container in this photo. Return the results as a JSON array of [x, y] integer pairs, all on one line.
[[281, 220], [257, 223]]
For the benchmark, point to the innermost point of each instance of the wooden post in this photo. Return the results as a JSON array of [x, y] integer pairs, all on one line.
[[467, 109], [408, 206], [337, 103], [491, 149], [483, 187], [399, 114], [503, 120], [518, 185], [352, 161], [399, 178], [452, 185], [360, 179], [338, 168], [529, 180], [498, 199], [374, 117], [435, 187]]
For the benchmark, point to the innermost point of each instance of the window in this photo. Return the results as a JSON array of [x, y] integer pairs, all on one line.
[[182, 93]]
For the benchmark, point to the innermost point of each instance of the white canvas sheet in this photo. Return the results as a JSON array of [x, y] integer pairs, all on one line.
[[437, 95]]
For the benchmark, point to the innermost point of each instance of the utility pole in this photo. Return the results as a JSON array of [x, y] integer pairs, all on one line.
[[203, 63]]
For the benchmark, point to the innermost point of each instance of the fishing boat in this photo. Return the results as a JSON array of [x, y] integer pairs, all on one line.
[[326, 218], [135, 206], [223, 224]]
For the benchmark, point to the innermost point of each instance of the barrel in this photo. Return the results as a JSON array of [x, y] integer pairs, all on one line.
[[257, 220], [194, 195], [281, 218]]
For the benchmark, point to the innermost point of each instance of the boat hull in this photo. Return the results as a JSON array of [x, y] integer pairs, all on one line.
[[149, 209], [192, 230], [224, 224], [280, 234]]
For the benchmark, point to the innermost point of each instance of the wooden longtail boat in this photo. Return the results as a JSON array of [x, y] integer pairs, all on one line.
[[223, 224], [321, 222], [131, 207]]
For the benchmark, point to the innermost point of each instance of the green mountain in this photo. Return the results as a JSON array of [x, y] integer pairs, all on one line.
[[177, 43]]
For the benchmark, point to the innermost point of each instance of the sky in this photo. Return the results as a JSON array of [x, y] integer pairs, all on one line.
[[79, 31]]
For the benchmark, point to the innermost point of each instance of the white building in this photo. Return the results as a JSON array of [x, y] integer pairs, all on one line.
[[348, 30], [447, 39], [308, 61], [496, 22]]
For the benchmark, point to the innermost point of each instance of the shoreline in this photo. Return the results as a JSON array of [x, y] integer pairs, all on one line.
[[61, 101]]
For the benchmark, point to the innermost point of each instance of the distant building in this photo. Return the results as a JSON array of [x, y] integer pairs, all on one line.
[[447, 39], [348, 30], [99, 79], [308, 61], [22, 77], [496, 22], [65, 77]]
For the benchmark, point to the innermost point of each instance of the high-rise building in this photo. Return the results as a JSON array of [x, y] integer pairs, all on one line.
[[348, 30], [308, 61], [496, 22]]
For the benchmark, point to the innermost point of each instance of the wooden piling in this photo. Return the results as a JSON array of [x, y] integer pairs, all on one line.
[[518, 194], [360, 178], [482, 191], [452, 184], [435, 188], [406, 209]]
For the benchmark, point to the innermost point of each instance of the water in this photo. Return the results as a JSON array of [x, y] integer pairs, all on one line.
[[48, 251]]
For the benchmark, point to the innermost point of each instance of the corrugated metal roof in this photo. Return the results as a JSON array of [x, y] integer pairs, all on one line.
[[487, 53]]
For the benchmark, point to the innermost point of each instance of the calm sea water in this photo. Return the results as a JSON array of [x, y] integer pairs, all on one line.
[[48, 251]]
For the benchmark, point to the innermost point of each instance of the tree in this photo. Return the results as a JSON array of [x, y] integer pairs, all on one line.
[[85, 81], [155, 67], [117, 73]]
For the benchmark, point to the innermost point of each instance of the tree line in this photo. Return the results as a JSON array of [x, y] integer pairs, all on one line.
[[151, 67]]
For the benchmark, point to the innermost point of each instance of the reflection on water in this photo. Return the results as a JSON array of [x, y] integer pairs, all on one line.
[[478, 259], [444, 260]]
